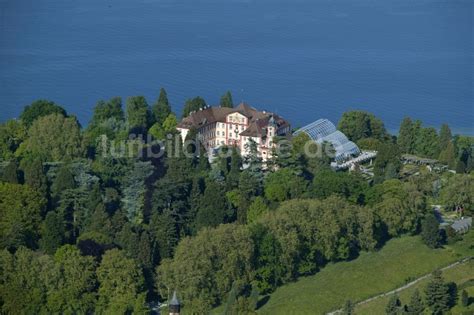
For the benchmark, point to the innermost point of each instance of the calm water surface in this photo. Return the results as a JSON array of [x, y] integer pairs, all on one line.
[[303, 59]]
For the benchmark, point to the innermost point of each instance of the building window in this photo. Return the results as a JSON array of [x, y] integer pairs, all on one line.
[[218, 132]]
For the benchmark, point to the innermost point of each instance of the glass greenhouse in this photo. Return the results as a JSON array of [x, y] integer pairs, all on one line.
[[322, 130]]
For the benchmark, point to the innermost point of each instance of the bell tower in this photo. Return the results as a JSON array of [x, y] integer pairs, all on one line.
[[174, 305]]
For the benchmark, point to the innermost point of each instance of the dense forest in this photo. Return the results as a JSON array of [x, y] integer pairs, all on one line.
[[92, 221]]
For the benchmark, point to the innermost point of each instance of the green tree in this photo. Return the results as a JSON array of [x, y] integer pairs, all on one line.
[[283, 184], [430, 231], [464, 298], [204, 267], [358, 125], [257, 209], [39, 109], [445, 136], [437, 294], [213, 207], [121, 283], [427, 143], [52, 233], [458, 193], [20, 215], [107, 110], [348, 308], [12, 134], [447, 155], [34, 175], [55, 138], [134, 189], [393, 306], [193, 105], [387, 164], [226, 100], [73, 290], [138, 114], [161, 109], [64, 180], [416, 305], [10, 172], [406, 136], [25, 278], [270, 269]]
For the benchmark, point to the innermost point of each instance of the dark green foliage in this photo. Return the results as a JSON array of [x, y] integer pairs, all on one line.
[[464, 298], [358, 125], [427, 143], [21, 208], [161, 109], [111, 109], [393, 306], [52, 233], [406, 136], [387, 164], [269, 268], [39, 109], [416, 305], [348, 308], [226, 100], [445, 136], [64, 180], [121, 287], [138, 114], [164, 235], [430, 231], [12, 134], [33, 173], [134, 190], [283, 184], [213, 206], [193, 105], [350, 186], [10, 172], [437, 294]]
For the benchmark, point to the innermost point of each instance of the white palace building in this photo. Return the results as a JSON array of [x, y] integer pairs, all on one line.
[[223, 126]]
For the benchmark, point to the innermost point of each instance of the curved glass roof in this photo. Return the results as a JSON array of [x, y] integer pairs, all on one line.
[[322, 130]]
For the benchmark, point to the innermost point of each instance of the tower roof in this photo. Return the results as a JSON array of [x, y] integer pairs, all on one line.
[[174, 299]]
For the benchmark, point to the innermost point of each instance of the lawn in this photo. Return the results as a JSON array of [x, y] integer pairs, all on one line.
[[398, 262]]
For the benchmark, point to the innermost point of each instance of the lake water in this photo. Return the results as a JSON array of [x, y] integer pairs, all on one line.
[[304, 59]]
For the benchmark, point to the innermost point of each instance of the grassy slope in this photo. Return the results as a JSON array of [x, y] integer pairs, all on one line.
[[458, 274], [368, 275]]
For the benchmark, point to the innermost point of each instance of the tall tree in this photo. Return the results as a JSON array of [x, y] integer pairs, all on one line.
[[21, 208], [193, 105], [406, 136], [105, 110], [161, 109], [55, 138], [213, 206], [445, 136], [52, 233], [39, 109], [226, 100], [121, 284], [134, 189], [427, 143], [73, 292], [416, 305], [357, 125], [12, 134], [437, 294], [138, 114], [10, 172], [393, 306]]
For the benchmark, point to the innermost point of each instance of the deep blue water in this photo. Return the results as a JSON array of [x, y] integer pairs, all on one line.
[[304, 59]]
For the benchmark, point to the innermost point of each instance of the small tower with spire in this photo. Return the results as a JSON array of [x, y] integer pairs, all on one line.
[[174, 305]]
